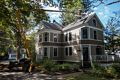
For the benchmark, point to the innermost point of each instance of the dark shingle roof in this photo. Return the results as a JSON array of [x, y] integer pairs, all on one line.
[[80, 21], [51, 26]]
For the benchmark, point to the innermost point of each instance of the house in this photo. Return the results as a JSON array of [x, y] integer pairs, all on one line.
[[80, 41], [12, 54]]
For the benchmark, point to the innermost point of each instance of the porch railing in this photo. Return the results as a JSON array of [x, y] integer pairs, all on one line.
[[104, 58]]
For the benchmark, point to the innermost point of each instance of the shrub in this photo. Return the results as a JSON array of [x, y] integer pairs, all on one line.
[[113, 70], [99, 70], [65, 67], [48, 64], [75, 67]]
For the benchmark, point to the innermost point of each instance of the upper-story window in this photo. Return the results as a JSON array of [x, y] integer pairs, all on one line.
[[46, 36], [55, 51], [85, 33], [66, 37], [70, 36], [55, 36], [94, 22], [40, 38], [95, 35]]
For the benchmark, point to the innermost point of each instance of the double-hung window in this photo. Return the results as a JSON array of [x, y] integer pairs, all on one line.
[[95, 35], [70, 36], [45, 51], [46, 36], [40, 38], [85, 33], [55, 36], [66, 37], [68, 51], [55, 52]]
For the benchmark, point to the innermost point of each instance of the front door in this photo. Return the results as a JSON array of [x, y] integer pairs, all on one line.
[[86, 59]]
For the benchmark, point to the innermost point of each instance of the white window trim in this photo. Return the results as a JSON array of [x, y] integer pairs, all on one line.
[[53, 52]]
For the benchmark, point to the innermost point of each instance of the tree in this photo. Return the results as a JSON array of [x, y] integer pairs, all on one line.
[[73, 8], [99, 2], [112, 32], [20, 16]]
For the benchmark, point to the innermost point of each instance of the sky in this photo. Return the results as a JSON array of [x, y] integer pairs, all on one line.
[[103, 12]]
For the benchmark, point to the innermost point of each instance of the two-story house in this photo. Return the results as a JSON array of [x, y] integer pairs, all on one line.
[[80, 41]]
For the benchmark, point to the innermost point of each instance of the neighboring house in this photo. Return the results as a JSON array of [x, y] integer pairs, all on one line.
[[13, 55], [80, 41]]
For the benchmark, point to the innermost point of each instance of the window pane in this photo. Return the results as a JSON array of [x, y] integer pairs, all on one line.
[[66, 37], [94, 22], [85, 33], [55, 37], [70, 36], [70, 51], [45, 51], [95, 35], [46, 36], [55, 51], [66, 51], [40, 38]]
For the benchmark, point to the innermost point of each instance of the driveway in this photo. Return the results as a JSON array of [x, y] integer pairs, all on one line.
[[27, 76], [33, 76]]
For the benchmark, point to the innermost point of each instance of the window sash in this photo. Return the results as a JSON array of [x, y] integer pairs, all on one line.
[[85, 33], [55, 51]]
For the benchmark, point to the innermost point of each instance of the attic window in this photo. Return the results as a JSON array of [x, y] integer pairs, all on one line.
[[94, 22]]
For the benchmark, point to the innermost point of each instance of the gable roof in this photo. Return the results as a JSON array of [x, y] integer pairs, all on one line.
[[84, 19], [51, 25]]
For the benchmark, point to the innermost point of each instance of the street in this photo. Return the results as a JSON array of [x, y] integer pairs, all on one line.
[[27, 76]]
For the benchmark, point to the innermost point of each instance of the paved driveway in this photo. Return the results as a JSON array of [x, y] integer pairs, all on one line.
[[27, 76]]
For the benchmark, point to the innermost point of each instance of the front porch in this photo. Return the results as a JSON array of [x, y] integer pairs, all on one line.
[[105, 58]]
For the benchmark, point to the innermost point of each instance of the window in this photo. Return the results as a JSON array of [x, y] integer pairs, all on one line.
[[70, 51], [55, 37], [40, 50], [94, 22], [66, 37], [70, 36], [66, 51], [45, 51], [85, 33], [40, 38], [95, 35], [55, 51], [46, 36]]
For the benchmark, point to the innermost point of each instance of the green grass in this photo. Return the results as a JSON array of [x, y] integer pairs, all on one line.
[[85, 76]]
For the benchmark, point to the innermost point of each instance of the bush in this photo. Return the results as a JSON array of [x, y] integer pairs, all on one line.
[[48, 64], [99, 70], [64, 67], [113, 70]]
